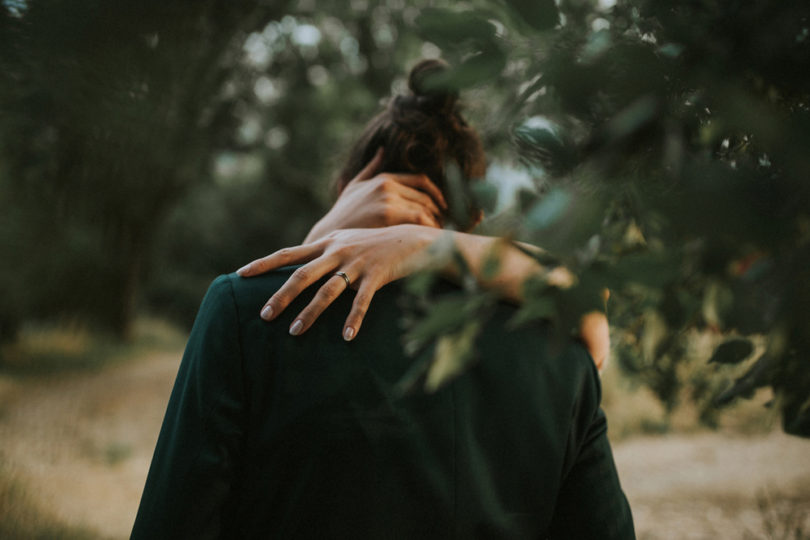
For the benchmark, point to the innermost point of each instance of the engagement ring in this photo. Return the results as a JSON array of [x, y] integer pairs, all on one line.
[[345, 278]]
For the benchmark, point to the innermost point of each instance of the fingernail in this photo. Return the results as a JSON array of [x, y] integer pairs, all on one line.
[[242, 271], [296, 327], [267, 312], [348, 333]]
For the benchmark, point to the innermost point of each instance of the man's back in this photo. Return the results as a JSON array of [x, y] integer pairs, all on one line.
[[269, 435]]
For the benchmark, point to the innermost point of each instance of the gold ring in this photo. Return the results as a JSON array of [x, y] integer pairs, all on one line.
[[345, 278]]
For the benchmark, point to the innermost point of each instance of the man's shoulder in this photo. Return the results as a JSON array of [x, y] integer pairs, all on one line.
[[243, 288], [567, 363], [247, 294]]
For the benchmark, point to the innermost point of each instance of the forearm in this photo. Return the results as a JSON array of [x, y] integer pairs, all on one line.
[[498, 264], [512, 267], [372, 257], [323, 227]]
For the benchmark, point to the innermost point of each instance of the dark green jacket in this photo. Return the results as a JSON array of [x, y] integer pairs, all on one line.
[[272, 436]]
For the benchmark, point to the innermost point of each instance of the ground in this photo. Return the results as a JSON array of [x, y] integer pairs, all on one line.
[[75, 449]]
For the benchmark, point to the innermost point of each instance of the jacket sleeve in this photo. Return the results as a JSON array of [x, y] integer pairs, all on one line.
[[591, 503], [200, 442]]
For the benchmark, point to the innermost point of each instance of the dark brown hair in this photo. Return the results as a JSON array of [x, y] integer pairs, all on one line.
[[422, 132]]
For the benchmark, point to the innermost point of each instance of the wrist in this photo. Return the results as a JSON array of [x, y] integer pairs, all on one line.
[[428, 238], [321, 228]]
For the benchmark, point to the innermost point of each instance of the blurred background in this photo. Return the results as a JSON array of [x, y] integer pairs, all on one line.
[[655, 148]]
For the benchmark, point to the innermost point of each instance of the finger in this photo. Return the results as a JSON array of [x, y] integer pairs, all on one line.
[[410, 213], [423, 183], [418, 215], [371, 167], [359, 308], [282, 257], [420, 197], [300, 279], [327, 294]]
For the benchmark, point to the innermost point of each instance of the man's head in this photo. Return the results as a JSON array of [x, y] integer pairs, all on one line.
[[422, 132]]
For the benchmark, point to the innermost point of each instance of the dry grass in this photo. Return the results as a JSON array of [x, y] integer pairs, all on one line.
[[784, 516], [80, 445], [66, 451], [713, 485], [21, 517], [46, 349]]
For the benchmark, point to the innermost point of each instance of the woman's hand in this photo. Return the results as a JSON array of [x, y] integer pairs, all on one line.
[[386, 199], [370, 258]]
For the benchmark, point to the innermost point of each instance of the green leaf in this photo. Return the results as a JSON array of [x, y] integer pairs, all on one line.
[[598, 44], [448, 28], [481, 67], [671, 50], [732, 351], [471, 36], [540, 14], [634, 117], [420, 283], [492, 263], [413, 376], [717, 302], [549, 209], [796, 419], [485, 195], [458, 197], [757, 376], [445, 316], [454, 352], [542, 143], [649, 269], [532, 310]]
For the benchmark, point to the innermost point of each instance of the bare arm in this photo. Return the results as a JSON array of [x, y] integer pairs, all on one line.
[[514, 266], [371, 258], [513, 269], [386, 226], [373, 199]]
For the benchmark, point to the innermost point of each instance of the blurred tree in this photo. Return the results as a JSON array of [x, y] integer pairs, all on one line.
[[111, 111], [304, 87]]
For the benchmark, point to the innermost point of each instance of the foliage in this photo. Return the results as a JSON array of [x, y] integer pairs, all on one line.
[[667, 142], [110, 111], [21, 517], [675, 136], [305, 85]]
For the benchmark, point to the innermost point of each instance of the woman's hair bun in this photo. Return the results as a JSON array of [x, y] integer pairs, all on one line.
[[428, 87]]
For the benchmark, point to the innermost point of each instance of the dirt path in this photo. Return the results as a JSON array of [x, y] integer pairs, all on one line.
[[81, 445], [711, 485]]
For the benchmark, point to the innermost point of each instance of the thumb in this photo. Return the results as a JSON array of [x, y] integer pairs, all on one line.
[[371, 167]]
